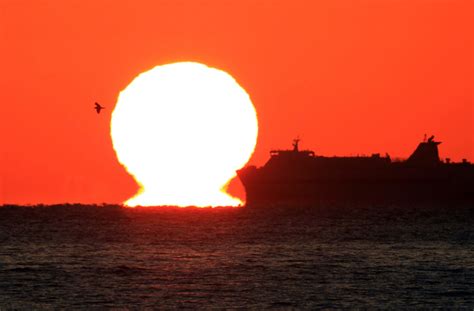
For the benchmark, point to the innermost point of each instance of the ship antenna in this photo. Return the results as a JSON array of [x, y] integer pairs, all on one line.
[[295, 143]]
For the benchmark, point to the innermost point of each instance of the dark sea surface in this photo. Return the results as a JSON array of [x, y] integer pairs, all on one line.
[[328, 256]]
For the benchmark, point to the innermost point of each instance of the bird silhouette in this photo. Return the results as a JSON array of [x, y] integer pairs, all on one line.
[[98, 107]]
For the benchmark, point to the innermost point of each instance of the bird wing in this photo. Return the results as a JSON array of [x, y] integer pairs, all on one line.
[[98, 107]]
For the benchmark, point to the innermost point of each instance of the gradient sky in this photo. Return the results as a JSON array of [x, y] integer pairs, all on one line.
[[349, 77]]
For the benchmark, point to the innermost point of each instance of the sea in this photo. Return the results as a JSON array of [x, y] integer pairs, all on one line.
[[326, 256]]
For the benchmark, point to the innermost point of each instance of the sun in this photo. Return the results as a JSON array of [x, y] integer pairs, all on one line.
[[182, 130]]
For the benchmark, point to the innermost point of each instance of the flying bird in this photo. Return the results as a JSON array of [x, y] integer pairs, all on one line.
[[98, 107]]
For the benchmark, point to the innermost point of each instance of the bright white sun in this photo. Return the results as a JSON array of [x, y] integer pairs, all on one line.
[[182, 130]]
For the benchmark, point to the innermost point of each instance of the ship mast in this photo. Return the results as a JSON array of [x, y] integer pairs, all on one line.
[[295, 144]]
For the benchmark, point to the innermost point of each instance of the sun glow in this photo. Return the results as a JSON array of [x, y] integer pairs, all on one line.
[[182, 130]]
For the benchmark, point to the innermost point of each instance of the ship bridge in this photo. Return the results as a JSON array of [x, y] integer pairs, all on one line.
[[295, 152]]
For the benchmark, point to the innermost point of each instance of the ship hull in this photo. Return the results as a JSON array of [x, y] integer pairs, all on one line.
[[389, 184]]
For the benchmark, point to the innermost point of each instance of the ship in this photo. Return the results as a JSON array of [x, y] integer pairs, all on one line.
[[297, 176]]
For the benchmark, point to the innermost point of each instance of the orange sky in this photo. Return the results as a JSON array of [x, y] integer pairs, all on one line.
[[349, 77]]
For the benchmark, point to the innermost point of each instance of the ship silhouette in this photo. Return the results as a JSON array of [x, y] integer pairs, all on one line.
[[301, 176]]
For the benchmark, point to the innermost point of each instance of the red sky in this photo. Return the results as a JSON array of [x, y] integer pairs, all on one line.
[[348, 77]]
